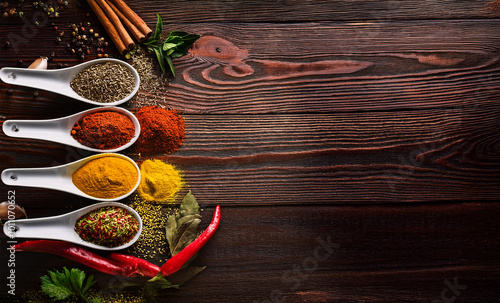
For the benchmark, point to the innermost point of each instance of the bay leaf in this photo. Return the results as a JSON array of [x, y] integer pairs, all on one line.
[[182, 228], [189, 206], [187, 233]]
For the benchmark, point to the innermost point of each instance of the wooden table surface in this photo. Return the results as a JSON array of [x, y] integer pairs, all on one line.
[[353, 146]]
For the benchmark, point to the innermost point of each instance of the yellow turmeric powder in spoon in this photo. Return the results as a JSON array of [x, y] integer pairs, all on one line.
[[106, 177]]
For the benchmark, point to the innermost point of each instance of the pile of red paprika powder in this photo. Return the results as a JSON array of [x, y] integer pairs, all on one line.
[[162, 130]]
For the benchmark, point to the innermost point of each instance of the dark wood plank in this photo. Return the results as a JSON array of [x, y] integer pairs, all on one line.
[[378, 254], [338, 67], [224, 11], [326, 67], [427, 155]]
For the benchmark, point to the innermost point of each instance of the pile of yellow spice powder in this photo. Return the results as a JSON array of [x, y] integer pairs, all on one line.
[[160, 181]]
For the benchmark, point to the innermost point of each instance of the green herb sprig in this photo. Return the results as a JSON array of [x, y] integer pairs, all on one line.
[[62, 285], [175, 45]]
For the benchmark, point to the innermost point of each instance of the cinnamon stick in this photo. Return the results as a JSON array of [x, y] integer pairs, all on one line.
[[138, 35], [108, 26], [127, 40], [133, 17]]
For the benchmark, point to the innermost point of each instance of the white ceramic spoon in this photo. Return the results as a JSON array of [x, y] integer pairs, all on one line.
[[59, 177], [59, 130], [62, 227], [58, 80]]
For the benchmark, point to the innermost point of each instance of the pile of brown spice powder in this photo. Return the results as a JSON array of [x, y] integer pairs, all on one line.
[[162, 131]]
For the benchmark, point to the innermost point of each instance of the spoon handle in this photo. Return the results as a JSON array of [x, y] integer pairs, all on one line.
[[49, 177], [49, 130], [44, 228], [34, 78]]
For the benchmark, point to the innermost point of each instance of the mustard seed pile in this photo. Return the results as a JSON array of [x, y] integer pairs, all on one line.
[[152, 242], [104, 82]]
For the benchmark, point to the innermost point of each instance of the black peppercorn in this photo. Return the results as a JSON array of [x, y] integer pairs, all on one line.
[[19, 62], [6, 44], [10, 91]]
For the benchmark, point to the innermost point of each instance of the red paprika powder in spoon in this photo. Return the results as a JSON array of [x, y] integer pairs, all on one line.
[[104, 130]]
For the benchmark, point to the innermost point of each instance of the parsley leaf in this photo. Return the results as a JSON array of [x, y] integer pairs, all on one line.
[[175, 45], [61, 285]]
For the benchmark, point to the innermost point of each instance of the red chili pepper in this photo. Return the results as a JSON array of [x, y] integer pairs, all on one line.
[[79, 254], [142, 266], [176, 262], [120, 264]]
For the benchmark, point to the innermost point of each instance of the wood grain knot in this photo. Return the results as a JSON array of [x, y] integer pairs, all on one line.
[[220, 51]]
